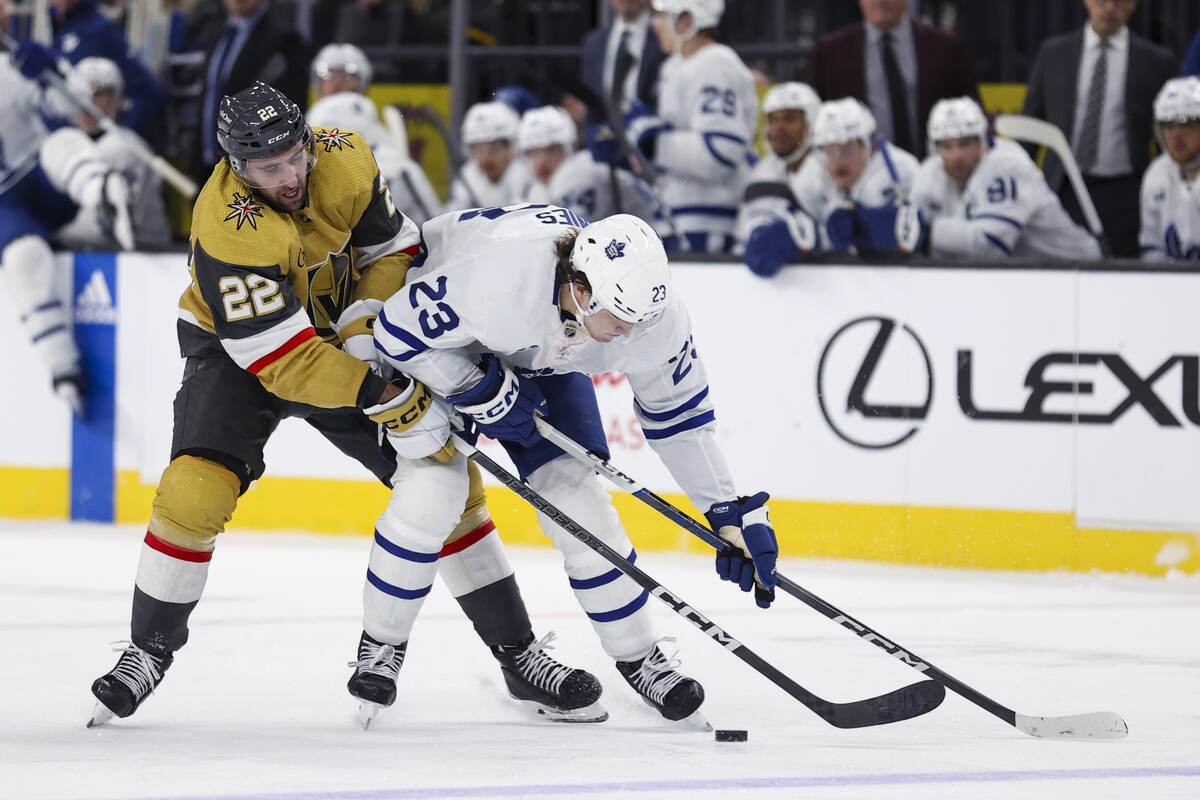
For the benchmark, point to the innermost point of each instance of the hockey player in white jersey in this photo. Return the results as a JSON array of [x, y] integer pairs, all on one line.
[[790, 110], [571, 178], [699, 141], [1170, 187], [73, 157], [506, 314], [980, 199], [494, 173], [341, 74]]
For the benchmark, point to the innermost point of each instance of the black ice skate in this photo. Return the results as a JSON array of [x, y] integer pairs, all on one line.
[[553, 689], [673, 694], [121, 691], [374, 678]]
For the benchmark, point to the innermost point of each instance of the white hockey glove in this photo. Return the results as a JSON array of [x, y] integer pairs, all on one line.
[[109, 195], [356, 328], [417, 424]]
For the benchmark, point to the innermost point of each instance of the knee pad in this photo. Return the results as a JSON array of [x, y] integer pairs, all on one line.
[[195, 501], [427, 503]]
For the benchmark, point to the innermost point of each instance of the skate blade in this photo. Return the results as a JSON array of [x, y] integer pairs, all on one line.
[[593, 713], [366, 712], [100, 716], [696, 721]]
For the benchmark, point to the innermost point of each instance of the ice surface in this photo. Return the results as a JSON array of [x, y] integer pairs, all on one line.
[[256, 707]]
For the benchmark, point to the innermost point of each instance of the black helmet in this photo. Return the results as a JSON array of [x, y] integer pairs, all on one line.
[[259, 122]]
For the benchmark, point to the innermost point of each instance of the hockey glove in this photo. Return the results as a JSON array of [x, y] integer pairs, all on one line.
[[772, 245], [34, 58], [356, 328], [602, 143], [891, 227], [841, 227], [643, 126], [416, 423], [503, 404], [745, 523]]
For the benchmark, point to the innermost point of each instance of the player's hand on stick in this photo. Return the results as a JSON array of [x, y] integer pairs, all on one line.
[[603, 144], [643, 126], [750, 563], [882, 228], [416, 423], [34, 58], [503, 404]]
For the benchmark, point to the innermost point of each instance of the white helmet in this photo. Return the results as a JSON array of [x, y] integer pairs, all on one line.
[[845, 120], [792, 95], [1178, 100], [705, 13], [489, 122], [344, 57], [626, 265], [956, 118], [345, 110], [546, 126], [94, 73]]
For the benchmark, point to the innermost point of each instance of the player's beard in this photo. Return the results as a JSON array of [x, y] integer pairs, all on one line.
[[273, 199]]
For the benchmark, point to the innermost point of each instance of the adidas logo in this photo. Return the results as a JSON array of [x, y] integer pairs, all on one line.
[[94, 305]]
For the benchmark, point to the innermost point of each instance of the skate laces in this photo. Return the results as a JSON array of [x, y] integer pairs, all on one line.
[[377, 659], [137, 669], [541, 669], [657, 676]]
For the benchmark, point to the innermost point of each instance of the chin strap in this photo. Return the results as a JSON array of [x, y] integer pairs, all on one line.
[[800, 152]]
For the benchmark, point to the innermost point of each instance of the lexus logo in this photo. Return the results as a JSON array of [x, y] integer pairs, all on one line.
[[874, 382]]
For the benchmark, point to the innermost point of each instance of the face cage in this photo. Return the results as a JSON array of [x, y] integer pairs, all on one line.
[[241, 166]]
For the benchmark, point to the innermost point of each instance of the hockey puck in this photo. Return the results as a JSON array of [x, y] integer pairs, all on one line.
[[732, 736]]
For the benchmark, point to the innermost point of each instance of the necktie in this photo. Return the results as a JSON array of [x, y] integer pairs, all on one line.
[[1087, 150], [897, 96], [621, 66], [218, 69]]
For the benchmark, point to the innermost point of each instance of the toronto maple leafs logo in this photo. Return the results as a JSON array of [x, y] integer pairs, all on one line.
[[615, 250], [334, 137], [243, 209]]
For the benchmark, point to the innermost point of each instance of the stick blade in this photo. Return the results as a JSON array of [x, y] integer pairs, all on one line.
[[1031, 129], [1096, 725], [904, 703]]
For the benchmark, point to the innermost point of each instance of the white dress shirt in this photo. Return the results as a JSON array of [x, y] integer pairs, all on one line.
[[1112, 153], [877, 86], [639, 29]]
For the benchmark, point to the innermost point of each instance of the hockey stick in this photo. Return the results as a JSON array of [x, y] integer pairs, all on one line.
[[905, 703], [393, 120], [1050, 136], [1094, 725], [174, 177]]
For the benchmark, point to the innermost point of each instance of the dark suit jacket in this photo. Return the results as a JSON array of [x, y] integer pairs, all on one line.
[[1052, 84], [593, 69], [838, 69]]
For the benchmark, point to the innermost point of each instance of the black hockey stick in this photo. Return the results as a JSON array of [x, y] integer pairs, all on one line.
[[1094, 725], [910, 701]]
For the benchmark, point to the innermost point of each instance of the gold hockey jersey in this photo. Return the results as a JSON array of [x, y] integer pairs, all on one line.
[[268, 285]]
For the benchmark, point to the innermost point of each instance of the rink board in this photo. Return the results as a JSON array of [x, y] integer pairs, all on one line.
[[1013, 419]]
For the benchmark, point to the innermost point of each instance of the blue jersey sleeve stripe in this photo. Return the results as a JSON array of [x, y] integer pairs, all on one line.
[[623, 611], [404, 336], [708, 142], [998, 243], [686, 425], [400, 552], [663, 416], [395, 591], [711, 211], [601, 580], [1002, 218]]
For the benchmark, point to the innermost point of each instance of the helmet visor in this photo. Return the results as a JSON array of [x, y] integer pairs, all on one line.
[[281, 170]]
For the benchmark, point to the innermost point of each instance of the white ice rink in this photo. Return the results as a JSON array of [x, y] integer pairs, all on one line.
[[255, 707]]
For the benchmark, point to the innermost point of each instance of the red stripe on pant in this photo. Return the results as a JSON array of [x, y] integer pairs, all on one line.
[[175, 551], [471, 538]]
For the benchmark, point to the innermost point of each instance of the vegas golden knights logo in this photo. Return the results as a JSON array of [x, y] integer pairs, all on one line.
[[329, 289]]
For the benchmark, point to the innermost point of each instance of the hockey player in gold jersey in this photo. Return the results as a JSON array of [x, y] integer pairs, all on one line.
[[295, 243]]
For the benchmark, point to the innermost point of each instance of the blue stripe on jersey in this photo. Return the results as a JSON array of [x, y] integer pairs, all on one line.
[[663, 416], [47, 332], [395, 591], [43, 307], [92, 465], [998, 243], [1002, 218], [686, 425], [623, 611], [404, 336], [601, 580], [400, 552], [729, 137], [711, 211]]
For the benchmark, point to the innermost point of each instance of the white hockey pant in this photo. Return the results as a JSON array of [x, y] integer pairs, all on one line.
[[615, 604], [29, 276]]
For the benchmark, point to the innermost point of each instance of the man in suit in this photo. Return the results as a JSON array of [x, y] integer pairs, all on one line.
[[244, 41], [896, 65], [629, 32], [1098, 84]]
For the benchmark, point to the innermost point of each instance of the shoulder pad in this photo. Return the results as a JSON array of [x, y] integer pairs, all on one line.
[[234, 226]]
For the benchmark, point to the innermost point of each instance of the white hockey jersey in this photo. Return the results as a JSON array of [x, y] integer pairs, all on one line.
[[485, 283], [70, 159], [21, 126], [819, 195], [472, 189], [1170, 213], [586, 188], [710, 102], [766, 197], [1006, 208], [410, 187]]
